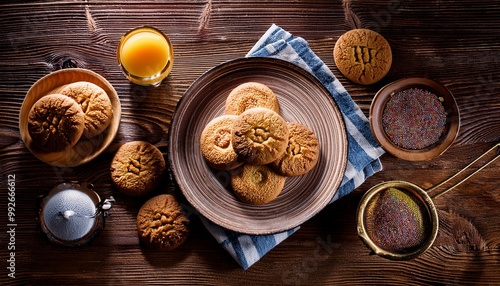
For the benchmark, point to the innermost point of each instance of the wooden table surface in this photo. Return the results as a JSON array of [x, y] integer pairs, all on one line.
[[454, 42]]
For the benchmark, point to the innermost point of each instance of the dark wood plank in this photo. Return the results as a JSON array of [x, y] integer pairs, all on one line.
[[455, 42]]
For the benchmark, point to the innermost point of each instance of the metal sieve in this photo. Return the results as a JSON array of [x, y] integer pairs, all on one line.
[[406, 213]]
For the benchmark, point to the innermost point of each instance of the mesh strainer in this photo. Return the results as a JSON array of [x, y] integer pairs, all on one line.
[[398, 220]]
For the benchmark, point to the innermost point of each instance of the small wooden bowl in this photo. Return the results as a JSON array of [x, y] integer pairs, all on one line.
[[86, 149], [447, 137]]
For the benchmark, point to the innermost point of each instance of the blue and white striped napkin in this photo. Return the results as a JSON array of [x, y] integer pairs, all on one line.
[[363, 154]]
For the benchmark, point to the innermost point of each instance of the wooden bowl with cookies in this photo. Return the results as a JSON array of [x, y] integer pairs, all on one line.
[[69, 117]]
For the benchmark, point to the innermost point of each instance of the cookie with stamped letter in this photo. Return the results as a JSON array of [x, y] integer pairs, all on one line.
[[249, 95], [363, 56], [301, 154], [259, 136], [256, 184], [55, 123], [216, 146], [161, 223], [94, 102], [137, 168]]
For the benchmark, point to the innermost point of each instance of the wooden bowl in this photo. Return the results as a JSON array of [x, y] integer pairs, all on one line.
[[86, 149], [437, 148]]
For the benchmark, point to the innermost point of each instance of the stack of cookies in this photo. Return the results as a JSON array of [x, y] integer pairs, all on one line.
[[254, 141], [56, 122]]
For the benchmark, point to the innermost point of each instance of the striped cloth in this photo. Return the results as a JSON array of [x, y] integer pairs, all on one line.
[[363, 153]]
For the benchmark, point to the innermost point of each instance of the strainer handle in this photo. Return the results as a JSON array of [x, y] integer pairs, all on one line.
[[465, 168]]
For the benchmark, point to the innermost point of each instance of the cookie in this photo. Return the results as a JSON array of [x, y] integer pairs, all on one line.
[[95, 104], [55, 123], [137, 168], [259, 136], [161, 223], [363, 56], [256, 184], [215, 143], [249, 95], [301, 154]]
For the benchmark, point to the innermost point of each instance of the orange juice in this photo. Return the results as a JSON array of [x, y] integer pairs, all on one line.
[[145, 55]]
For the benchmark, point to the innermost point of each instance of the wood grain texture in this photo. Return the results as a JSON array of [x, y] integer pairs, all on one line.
[[454, 42]]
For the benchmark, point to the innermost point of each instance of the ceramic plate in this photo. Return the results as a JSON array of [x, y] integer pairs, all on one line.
[[302, 99]]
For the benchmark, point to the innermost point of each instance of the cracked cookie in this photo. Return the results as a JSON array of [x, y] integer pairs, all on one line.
[[215, 143], [256, 184], [55, 123], [161, 223], [363, 56], [137, 168], [249, 95], [94, 102], [259, 136], [301, 154]]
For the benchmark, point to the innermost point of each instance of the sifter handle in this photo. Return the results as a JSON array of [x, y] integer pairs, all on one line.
[[465, 168]]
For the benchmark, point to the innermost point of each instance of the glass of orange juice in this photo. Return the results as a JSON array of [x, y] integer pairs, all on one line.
[[145, 55]]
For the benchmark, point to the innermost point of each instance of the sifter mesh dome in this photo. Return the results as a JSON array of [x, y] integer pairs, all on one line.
[[79, 219]]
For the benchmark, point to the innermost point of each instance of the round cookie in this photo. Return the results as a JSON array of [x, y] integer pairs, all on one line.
[[95, 104], [55, 123], [137, 168], [215, 143], [363, 56], [249, 95], [301, 154], [161, 223], [259, 136], [256, 184]]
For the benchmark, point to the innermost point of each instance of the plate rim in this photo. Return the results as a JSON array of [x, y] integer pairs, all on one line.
[[267, 60]]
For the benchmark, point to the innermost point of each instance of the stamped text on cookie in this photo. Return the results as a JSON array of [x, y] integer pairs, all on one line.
[[363, 55]]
